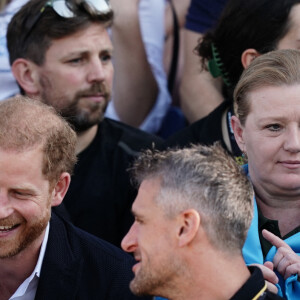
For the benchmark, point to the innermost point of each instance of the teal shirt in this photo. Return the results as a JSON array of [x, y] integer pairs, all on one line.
[[272, 226], [253, 253]]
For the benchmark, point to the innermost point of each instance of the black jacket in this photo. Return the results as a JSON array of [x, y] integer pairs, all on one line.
[[100, 196], [80, 266]]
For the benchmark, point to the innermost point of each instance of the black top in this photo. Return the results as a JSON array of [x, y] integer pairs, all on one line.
[[254, 287], [100, 195], [272, 226], [80, 266], [207, 131]]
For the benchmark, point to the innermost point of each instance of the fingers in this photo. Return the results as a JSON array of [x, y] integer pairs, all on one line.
[[274, 240], [269, 265], [282, 259], [291, 270], [272, 287], [268, 274], [285, 261]]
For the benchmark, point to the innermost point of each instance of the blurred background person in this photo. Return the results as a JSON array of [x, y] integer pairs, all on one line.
[[199, 91], [8, 86], [140, 94]]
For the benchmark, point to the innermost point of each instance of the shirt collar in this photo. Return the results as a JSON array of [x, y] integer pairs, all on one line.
[[253, 287]]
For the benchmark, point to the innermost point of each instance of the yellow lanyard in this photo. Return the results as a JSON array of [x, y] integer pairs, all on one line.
[[260, 292]]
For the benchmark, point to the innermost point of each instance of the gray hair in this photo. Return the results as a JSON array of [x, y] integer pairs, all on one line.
[[206, 179]]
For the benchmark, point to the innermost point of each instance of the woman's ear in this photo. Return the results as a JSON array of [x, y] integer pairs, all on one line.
[[26, 75], [248, 56], [238, 133]]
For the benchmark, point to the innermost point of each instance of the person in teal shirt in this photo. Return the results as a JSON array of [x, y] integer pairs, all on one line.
[[267, 129]]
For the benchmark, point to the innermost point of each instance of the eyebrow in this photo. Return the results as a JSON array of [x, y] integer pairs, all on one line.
[[273, 118], [85, 52]]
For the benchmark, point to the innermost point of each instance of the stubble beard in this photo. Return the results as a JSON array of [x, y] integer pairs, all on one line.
[[80, 119], [151, 282]]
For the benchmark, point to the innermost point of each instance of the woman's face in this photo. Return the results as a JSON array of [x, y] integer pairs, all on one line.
[[271, 138], [292, 39]]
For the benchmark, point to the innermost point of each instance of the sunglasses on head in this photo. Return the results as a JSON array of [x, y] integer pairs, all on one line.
[[62, 8]]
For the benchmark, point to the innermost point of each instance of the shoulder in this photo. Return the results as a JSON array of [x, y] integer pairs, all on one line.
[[67, 243], [206, 130], [130, 138], [83, 242], [82, 266]]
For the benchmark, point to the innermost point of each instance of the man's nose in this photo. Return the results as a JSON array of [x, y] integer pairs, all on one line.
[[129, 242], [96, 72], [5, 205]]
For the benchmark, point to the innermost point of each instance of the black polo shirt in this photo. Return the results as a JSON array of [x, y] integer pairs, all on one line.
[[254, 288], [272, 226]]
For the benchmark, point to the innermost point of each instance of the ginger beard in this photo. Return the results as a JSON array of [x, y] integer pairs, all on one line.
[[10, 247]]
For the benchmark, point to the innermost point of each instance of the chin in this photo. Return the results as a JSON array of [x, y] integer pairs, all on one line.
[[289, 186]]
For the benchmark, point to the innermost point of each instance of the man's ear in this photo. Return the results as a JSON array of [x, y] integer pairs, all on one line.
[[26, 75], [238, 133], [248, 56], [189, 226], [60, 189]]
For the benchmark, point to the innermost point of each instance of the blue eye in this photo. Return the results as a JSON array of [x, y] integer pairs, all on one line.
[[273, 127]]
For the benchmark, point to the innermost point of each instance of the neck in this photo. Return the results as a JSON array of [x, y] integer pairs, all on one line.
[[85, 138], [212, 271], [286, 212], [14, 270]]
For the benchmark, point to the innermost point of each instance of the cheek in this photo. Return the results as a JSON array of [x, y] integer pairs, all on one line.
[[262, 152], [70, 79], [31, 212], [109, 77], [63, 78]]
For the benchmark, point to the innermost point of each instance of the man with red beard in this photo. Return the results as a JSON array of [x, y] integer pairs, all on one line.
[[61, 54], [192, 214], [41, 255]]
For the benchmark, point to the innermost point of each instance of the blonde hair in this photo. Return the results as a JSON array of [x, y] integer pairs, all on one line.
[[276, 68]]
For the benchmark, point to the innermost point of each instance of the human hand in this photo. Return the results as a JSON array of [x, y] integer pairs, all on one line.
[[285, 261], [269, 275]]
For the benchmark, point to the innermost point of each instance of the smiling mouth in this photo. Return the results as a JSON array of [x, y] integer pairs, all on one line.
[[8, 228]]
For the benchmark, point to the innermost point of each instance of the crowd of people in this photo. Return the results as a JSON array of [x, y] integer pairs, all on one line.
[[166, 129]]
